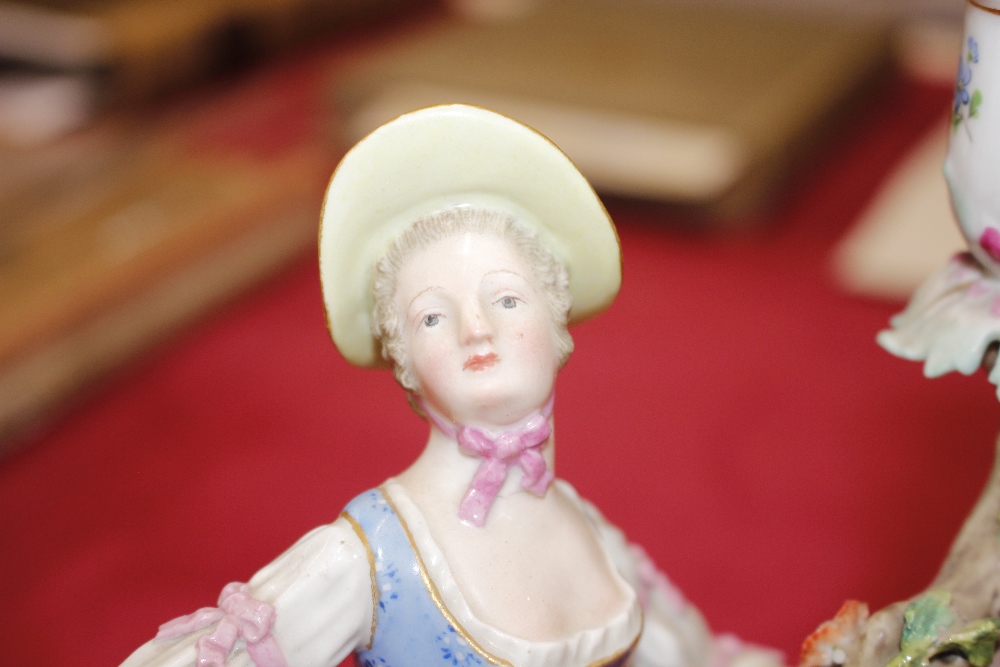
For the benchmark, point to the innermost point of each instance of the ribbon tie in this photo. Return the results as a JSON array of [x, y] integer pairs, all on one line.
[[239, 615], [521, 446]]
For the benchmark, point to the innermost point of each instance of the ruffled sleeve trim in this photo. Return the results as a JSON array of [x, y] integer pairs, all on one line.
[[320, 590]]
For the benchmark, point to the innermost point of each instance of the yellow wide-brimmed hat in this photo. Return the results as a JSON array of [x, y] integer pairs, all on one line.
[[443, 157]]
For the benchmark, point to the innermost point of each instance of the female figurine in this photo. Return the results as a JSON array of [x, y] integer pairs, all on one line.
[[457, 245]]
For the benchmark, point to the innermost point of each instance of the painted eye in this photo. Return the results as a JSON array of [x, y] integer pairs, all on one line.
[[508, 302], [431, 320]]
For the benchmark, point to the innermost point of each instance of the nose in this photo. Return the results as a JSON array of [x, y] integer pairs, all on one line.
[[475, 326]]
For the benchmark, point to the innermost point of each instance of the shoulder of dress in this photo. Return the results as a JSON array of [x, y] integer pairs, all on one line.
[[610, 534], [333, 549], [370, 501], [588, 508], [374, 518]]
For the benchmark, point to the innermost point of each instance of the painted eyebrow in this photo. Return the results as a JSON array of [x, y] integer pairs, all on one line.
[[421, 292], [513, 273]]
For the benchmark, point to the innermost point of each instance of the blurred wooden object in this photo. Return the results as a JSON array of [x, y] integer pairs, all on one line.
[[113, 238], [133, 49], [708, 106], [908, 231]]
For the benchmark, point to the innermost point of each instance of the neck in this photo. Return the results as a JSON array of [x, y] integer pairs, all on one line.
[[444, 469]]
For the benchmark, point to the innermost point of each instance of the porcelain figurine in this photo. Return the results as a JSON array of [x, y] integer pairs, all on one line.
[[952, 323], [456, 246]]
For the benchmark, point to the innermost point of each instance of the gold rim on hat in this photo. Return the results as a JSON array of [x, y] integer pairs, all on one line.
[[443, 157]]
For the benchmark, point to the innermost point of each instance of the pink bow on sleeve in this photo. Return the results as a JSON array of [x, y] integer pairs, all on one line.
[[238, 615]]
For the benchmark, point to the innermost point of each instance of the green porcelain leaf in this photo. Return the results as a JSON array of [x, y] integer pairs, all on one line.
[[915, 655], [922, 642], [924, 617], [975, 642]]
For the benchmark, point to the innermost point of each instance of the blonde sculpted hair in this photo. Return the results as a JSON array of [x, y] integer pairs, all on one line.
[[549, 274]]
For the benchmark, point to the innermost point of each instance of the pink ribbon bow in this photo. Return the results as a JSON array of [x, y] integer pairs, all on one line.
[[239, 615], [521, 446]]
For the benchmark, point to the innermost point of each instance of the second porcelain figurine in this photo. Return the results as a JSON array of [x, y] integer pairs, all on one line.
[[457, 245]]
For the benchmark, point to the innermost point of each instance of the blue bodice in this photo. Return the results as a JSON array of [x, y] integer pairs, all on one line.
[[411, 626]]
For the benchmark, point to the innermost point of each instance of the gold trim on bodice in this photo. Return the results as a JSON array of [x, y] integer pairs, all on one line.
[[628, 650], [435, 595], [371, 568], [439, 603]]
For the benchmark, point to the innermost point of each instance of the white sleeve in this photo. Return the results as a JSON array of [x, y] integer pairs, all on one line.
[[321, 590], [674, 634]]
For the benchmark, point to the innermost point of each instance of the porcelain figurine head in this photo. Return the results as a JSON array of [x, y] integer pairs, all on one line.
[[973, 163], [471, 310], [456, 245]]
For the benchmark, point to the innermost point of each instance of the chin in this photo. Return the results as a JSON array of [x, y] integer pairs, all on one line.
[[501, 403]]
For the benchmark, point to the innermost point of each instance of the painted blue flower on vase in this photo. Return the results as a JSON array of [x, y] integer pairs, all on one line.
[[962, 86], [967, 100]]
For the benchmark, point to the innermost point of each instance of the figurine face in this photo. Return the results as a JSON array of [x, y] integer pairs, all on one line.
[[478, 335]]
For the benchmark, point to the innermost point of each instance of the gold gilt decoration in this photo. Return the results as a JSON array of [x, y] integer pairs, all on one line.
[[436, 598], [371, 567], [983, 7]]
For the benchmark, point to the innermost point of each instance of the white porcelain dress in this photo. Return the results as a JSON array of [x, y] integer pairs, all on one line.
[[375, 579]]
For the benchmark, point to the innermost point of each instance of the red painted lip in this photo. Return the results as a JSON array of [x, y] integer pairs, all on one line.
[[480, 362]]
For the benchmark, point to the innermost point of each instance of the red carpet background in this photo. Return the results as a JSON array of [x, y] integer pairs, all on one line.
[[731, 412]]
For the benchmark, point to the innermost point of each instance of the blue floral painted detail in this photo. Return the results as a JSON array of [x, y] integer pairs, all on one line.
[[378, 504], [966, 102], [454, 649], [389, 583], [410, 629], [962, 86]]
